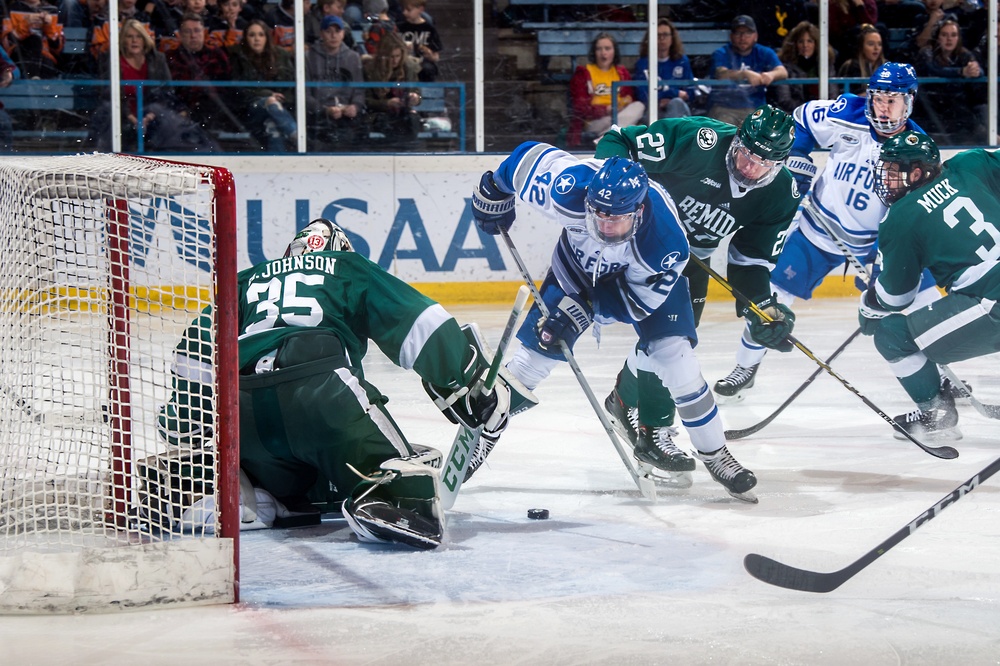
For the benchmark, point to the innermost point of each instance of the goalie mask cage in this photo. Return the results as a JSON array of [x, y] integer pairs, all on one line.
[[107, 259]]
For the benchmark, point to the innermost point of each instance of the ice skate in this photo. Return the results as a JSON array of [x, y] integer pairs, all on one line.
[[378, 521], [733, 386], [624, 419], [733, 476], [483, 448], [934, 419], [657, 454]]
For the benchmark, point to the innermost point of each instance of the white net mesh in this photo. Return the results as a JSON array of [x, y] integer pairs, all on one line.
[[105, 261]]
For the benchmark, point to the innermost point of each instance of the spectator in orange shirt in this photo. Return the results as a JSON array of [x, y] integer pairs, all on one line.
[[225, 29], [33, 37]]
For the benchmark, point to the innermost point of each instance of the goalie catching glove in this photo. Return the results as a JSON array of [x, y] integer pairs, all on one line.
[[492, 208], [570, 317], [772, 334]]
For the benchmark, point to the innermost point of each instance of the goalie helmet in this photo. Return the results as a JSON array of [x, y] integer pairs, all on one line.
[[905, 162], [614, 200], [321, 235], [760, 147], [895, 85]]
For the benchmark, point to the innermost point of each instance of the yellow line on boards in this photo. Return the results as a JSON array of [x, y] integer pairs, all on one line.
[[494, 293]]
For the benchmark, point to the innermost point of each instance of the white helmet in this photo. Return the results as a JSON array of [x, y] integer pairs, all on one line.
[[321, 235]]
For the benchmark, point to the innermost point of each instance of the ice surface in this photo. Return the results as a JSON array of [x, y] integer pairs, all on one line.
[[611, 578]]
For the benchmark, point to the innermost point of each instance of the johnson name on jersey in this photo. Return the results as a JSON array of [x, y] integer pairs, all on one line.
[[842, 199], [633, 278]]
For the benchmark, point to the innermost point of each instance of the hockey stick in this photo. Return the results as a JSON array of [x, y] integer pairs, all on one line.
[[744, 432], [642, 480], [989, 411], [775, 573], [460, 457], [945, 452]]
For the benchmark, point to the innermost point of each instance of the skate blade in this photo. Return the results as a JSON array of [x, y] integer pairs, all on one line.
[[621, 430], [946, 435], [747, 497], [665, 479], [729, 399]]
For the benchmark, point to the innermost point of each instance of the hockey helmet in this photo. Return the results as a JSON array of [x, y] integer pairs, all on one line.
[[760, 147], [615, 200], [892, 80], [905, 162], [321, 235]]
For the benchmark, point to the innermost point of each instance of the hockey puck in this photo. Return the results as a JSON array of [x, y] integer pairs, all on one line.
[[538, 514]]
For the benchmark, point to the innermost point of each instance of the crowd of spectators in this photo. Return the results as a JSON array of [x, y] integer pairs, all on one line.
[[212, 43], [209, 42], [942, 39]]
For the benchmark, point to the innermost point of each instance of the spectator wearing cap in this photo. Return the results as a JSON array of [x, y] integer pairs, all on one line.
[[335, 111], [751, 66]]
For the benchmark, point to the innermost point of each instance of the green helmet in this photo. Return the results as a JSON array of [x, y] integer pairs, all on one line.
[[768, 132], [899, 157], [764, 139]]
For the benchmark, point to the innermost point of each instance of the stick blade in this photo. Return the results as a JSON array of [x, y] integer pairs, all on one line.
[[775, 573]]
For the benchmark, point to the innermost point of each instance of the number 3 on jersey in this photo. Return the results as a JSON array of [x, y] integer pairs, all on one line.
[[277, 299]]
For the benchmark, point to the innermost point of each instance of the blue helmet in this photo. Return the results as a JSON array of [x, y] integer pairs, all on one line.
[[614, 200], [892, 79]]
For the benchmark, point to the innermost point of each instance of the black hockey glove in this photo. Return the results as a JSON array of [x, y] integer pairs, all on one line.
[[870, 312], [803, 170], [566, 321], [772, 334], [492, 208]]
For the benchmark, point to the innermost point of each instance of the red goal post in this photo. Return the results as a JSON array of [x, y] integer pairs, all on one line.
[[106, 261]]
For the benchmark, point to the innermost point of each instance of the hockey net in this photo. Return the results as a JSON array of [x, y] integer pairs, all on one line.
[[104, 262]]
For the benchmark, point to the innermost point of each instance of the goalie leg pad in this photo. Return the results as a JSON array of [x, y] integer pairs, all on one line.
[[401, 507]]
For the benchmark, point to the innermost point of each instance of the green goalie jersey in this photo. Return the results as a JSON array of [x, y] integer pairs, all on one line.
[[688, 157], [949, 226], [347, 295], [352, 297]]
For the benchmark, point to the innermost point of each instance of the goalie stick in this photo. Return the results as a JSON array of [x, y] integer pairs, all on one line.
[[642, 479], [945, 452], [782, 575], [460, 456], [744, 432], [989, 411]]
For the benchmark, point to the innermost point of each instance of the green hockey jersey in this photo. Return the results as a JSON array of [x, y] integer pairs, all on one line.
[[948, 226], [352, 297], [688, 157]]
